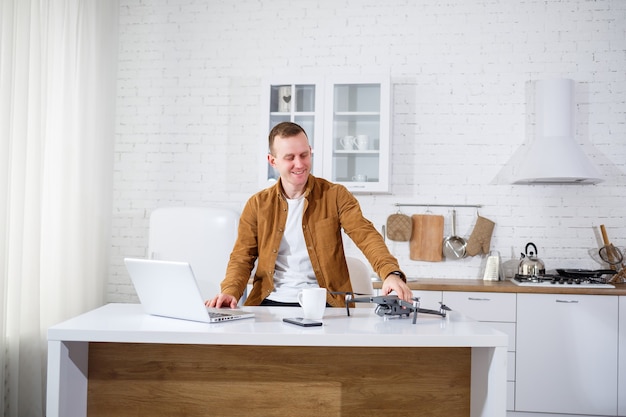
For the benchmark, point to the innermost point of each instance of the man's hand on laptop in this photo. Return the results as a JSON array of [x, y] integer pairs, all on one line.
[[222, 300]]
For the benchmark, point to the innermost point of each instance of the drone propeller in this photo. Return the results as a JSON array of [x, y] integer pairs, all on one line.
[[350, 298], [346, 293]]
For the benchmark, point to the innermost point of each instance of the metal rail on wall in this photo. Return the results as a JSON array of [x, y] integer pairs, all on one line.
[[437, 205]]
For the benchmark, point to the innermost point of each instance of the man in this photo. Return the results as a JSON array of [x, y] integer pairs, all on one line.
[[293, 230]]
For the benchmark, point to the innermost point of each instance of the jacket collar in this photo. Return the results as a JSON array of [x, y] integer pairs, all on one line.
[[308, 188]]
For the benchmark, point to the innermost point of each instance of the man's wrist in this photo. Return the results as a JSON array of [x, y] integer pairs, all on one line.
[[399, 274]]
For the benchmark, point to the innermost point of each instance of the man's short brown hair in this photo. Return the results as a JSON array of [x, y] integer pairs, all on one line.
[[284, 130]]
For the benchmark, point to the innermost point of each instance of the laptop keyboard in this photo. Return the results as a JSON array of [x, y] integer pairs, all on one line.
[[215, 315]]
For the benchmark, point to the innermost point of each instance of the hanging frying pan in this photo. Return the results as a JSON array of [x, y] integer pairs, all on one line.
[[454, 247]]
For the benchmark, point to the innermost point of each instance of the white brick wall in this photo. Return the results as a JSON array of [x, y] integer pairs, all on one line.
[[188, 112]]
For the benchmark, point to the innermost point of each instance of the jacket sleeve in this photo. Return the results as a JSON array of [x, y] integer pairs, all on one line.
[[244, 254], [364, 235]]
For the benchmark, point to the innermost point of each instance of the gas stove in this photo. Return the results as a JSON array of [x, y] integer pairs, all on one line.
[[549, 280]]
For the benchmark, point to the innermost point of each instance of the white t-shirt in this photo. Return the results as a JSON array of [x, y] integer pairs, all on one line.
[[293, 270]]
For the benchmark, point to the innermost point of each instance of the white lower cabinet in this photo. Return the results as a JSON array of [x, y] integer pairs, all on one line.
[[499, 311], [429, 299], [566, 354], [621, 377]]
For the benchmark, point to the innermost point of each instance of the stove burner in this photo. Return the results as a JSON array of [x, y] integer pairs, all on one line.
[[558, 280]]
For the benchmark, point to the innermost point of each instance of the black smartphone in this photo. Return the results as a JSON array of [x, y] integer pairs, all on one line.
[[302, 322]]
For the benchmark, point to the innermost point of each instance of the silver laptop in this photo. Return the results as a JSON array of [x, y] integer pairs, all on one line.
[[169, 289]]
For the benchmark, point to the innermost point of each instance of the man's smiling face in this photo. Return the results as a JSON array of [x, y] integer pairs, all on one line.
[[291, 157]]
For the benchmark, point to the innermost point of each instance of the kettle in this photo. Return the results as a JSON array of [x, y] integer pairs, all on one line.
[[530, 265]]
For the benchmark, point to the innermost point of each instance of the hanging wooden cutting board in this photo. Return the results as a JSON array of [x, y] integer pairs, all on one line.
[[426, 242]]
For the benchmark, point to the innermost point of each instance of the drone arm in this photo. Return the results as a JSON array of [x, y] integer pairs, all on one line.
[[441, 313]]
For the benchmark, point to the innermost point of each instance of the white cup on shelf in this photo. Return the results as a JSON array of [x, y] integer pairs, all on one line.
[[362, 142], [347, 142], [360, 178]]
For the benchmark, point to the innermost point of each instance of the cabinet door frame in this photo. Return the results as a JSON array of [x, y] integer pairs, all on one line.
[[621, 377], [566, 360], [316, 138], [323, 142], [384, 133]]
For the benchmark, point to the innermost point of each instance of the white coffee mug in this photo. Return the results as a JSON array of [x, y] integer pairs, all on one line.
[[362, 142], [347, 142], [360, 178], [313, 302]]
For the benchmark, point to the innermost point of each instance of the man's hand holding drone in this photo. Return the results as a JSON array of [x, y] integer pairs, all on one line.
[[395, 283]]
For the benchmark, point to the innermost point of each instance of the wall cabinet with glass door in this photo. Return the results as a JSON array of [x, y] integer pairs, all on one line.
[[300, 103], [357, 134], [348, 124]]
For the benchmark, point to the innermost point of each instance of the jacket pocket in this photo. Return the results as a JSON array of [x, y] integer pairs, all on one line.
[[327, 233]]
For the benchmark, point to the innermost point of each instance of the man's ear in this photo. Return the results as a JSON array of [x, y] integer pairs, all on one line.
[[271, 159]]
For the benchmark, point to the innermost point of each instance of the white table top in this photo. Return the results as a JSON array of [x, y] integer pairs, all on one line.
[[127, 323]]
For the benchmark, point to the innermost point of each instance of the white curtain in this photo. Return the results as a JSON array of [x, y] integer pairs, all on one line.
[[57, 101]]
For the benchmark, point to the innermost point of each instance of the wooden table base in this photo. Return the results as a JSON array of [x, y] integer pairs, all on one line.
[[212, 380]]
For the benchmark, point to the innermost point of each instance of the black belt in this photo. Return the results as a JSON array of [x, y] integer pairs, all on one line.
[[272, 303]]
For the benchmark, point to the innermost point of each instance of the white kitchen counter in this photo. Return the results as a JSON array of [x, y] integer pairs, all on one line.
[[68, 353], [127, 323]]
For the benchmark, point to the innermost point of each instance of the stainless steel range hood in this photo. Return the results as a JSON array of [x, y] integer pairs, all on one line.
[[554, 157]]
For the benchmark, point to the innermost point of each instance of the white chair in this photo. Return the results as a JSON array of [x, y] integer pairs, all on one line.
[[202, 236], [360, 278]]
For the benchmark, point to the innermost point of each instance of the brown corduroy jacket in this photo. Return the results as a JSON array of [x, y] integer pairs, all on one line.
[[328, 208]]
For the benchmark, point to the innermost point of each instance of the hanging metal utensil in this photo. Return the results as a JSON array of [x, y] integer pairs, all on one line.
[[454, 246]]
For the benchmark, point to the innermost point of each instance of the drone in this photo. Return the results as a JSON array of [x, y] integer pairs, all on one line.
[[392, 306]]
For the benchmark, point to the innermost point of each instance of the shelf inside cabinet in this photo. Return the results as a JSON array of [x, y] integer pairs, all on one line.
[[287, 114], [297, 98], [350, 180], [364, 114], [357, 97], [357, 152]]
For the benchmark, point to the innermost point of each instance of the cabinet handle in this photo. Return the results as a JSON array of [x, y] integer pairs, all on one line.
[[567, 301], [478, 299]]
